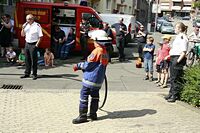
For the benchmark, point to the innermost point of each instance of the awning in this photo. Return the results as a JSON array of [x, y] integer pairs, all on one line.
[[176, 8], [186, 8], [94, 1], [164, 1], [189, 1], [165, 8], [177, 0], [164, 4]]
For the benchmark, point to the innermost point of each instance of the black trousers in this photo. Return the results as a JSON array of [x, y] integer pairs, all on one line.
[[176, 76], [109, 49], [31, 58], [140, 50], [84, 46], [120, 42]]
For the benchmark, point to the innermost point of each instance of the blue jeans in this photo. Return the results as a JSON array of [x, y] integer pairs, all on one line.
[[148, 65], [65, 50], [58, 50]]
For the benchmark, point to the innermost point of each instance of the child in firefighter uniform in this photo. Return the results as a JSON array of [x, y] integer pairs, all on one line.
[[93, 76]]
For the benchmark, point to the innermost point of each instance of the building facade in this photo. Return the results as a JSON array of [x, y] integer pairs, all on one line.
[[176, 7], [113, 6]]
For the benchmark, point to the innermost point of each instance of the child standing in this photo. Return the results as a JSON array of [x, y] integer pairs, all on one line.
[[158, 60], [93, 76], [48, 58], [21, 58], [165, 61], [148, 58], [11, 55]]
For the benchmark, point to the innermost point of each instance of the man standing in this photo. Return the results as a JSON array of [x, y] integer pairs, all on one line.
[[109, 46], [32, 32], [141, 39], [121, 31], [84, 29]]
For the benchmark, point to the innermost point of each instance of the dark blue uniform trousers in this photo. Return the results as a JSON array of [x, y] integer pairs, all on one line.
[[94, 93], [176, 75]]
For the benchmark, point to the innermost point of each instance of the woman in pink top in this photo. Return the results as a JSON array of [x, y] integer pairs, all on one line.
[[164, 64]]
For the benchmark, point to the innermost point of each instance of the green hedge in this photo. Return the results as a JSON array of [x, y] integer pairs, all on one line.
[[191, 86]]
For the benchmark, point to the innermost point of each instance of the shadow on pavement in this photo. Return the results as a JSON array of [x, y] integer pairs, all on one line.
[[57, 62], [127, 114], [57, 76], [10, 74], [64, 76], [116, 61]]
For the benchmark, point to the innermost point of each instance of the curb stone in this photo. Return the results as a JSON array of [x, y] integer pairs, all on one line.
[[186, 105]]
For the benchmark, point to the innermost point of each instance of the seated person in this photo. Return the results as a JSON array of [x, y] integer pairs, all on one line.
[[68, 44], [58, 40], [48, 58], [21, 58], [11, 55]]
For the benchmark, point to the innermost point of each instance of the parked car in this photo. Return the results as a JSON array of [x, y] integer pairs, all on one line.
[[159, 23], [186, 18], [167, 27]]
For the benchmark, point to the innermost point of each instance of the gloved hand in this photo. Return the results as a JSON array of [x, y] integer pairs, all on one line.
[[75, 67]]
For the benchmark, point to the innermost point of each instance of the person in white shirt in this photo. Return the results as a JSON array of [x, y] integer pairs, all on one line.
[[177, 61], [194, 36], [32, 31]]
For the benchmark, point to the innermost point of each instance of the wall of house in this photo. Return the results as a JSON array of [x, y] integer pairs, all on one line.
[[107, 6]]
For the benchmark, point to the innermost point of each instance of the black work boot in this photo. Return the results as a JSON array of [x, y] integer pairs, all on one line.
[[81, 118], [93, 109], [92, 116], [172, 99]]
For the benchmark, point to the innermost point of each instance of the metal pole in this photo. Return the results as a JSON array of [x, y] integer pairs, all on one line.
[[156, 17], [149, 16]]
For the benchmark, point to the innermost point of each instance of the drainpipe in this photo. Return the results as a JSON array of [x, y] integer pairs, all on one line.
[[149, 16], [156, 17]]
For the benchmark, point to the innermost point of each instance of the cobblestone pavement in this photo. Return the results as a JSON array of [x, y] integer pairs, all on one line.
[[50, 111], [49, 104]]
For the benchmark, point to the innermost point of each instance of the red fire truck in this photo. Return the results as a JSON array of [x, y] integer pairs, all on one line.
[[47, 14]]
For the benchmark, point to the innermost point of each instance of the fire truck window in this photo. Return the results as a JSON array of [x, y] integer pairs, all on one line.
[[94, 22], [65, 17]]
